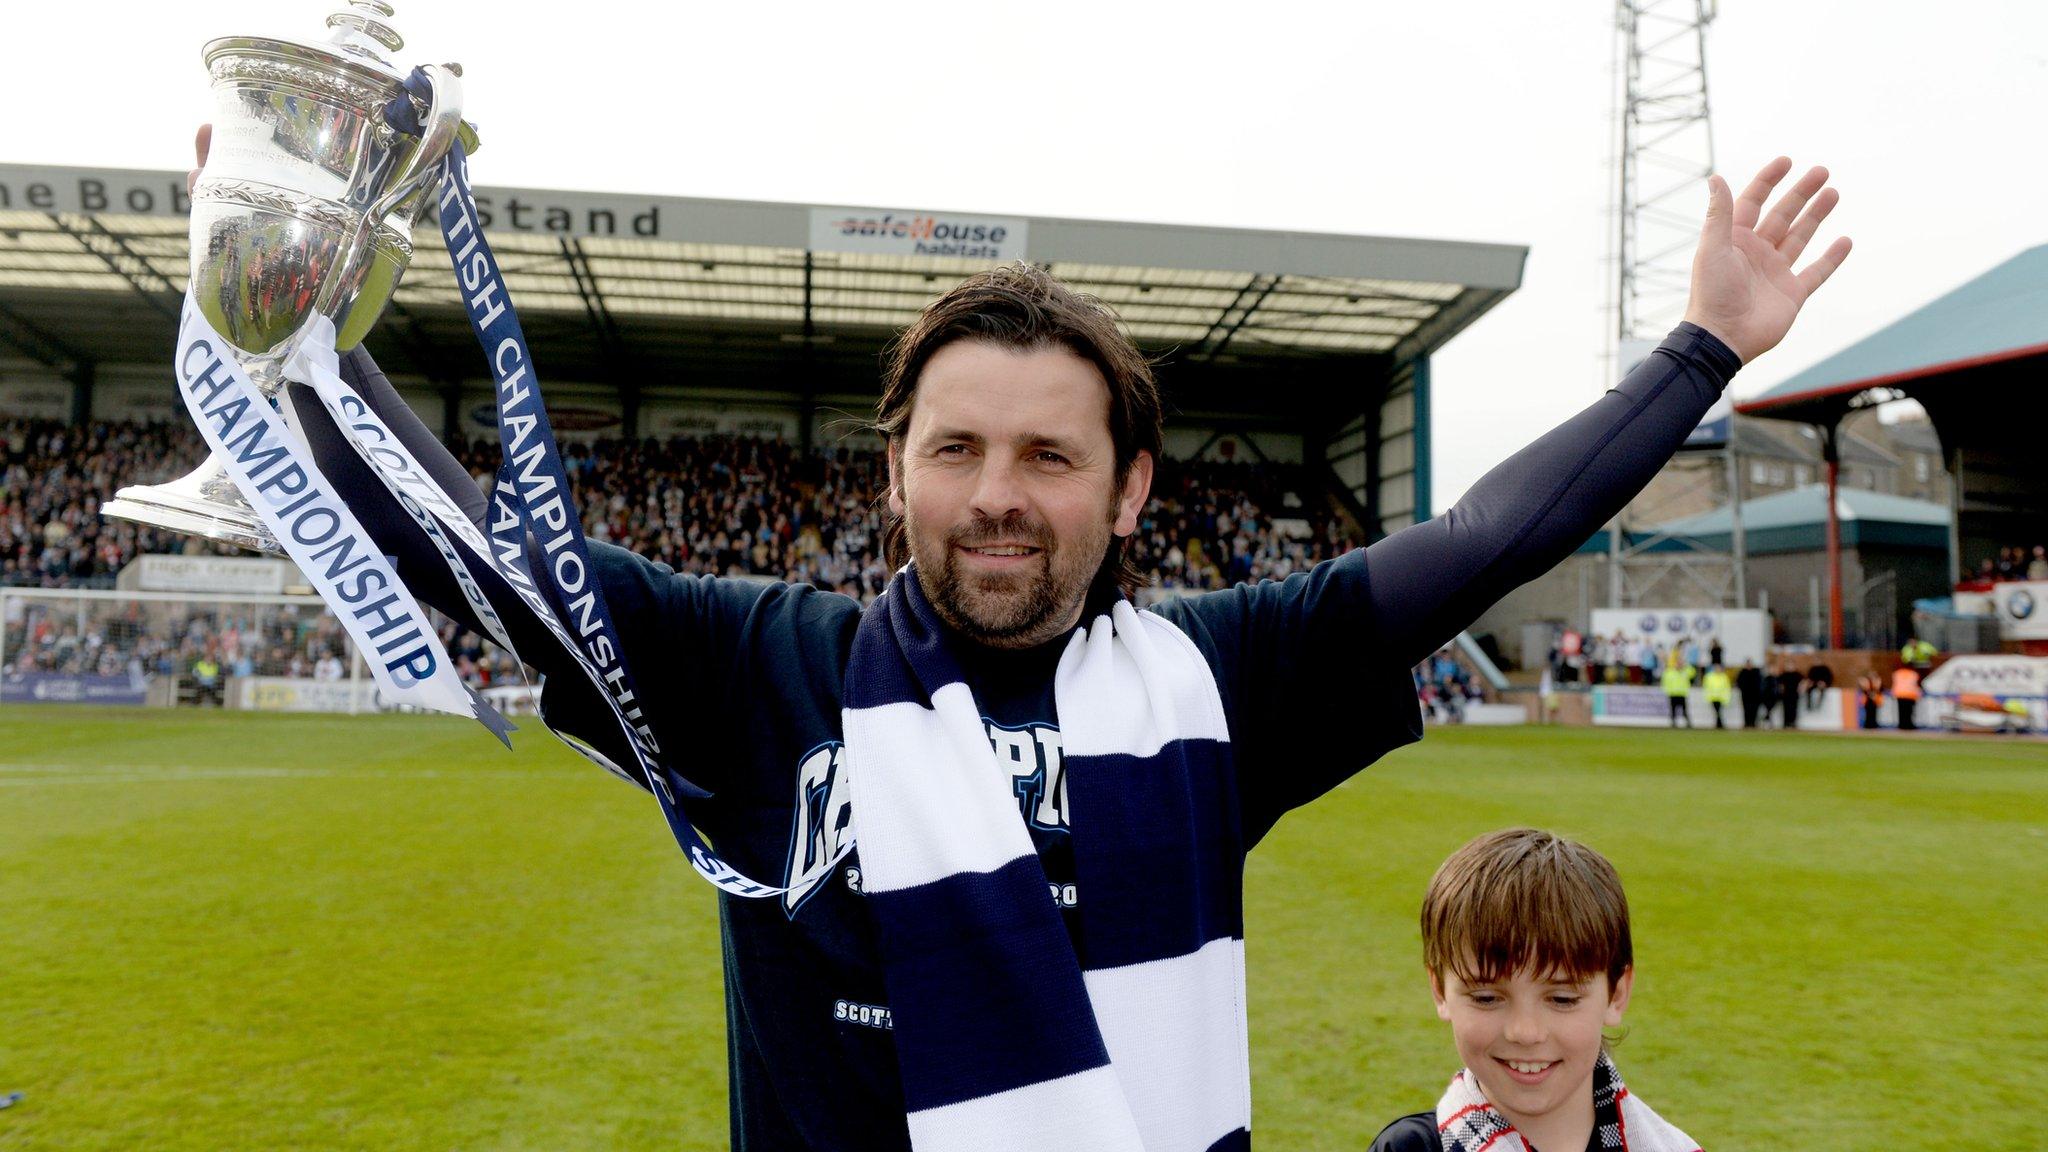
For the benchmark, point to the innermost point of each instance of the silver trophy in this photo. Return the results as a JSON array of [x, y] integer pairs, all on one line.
[[305, 209]]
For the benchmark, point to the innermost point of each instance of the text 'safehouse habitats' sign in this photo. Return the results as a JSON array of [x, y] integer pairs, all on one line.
[[910, 232]]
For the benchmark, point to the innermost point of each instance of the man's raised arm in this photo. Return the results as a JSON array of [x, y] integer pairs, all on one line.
[[1315, 667], [1431, 580], [1521, 519]]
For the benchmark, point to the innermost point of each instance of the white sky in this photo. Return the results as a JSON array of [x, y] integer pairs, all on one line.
[[1482, 120]]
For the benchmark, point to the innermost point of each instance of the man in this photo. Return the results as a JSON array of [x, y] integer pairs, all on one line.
[[206, 679], [1021, 432], [1870, 692], [1718, 686], [1918, 653], [1790, 683], [1749, 684], [1677, 680], [1819, 678], [1906, 694]]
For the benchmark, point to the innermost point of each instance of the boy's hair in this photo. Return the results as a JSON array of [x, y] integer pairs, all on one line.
[[1526, 899], [1023, 307]]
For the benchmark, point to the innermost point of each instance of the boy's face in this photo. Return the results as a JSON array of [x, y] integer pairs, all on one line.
[[1532, 1041]]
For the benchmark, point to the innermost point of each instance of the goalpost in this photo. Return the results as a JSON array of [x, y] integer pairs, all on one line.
[[282, 653]]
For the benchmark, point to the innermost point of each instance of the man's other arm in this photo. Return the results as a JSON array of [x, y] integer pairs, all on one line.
[[1431, 580], [1284, 649], [1532, 511], [1315, 667]]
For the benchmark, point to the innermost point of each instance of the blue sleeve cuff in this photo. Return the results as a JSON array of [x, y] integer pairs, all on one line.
[[1691, 342]]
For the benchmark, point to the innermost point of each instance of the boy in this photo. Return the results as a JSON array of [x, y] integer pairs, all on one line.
[[1526, 939]]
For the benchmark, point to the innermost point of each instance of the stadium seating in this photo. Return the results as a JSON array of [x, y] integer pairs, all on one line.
[[722, 505], [52, 480]]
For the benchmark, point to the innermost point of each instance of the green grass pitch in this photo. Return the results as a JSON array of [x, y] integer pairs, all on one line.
[[258, 932]]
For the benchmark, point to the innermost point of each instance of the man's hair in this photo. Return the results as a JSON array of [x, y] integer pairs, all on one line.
[[1525, 899], [1023, 307]]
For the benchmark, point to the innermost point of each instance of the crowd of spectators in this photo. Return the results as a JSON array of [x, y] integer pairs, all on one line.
[[720, 505], [2010, 564], [727, 505], [134, 639], [1214, 524], [52, 480], [200, 642], [1770, 696], [1444, 688], [730, 506], [1622, 659]]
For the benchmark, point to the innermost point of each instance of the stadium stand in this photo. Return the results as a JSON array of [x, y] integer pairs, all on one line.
[[1969, 357], [2009, 565], [716, 504], [51, 485]]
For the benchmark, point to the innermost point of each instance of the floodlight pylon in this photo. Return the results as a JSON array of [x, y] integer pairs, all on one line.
[[1664, 152]]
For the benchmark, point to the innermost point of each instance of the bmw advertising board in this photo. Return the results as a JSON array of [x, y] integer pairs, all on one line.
[[2022, 607]]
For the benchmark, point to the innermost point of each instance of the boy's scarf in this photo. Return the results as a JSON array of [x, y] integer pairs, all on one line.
[[1621, 1123], [1005, 1037]]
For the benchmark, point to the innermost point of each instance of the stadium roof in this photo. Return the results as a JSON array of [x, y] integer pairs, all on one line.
[[1807, 505], [618, 288], [1997, 318], [1753, 438], [1795, 520]]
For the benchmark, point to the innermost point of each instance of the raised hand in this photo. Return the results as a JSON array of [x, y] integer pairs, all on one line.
[[1744, 290]]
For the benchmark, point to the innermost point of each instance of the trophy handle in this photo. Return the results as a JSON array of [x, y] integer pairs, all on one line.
[[439, 127]]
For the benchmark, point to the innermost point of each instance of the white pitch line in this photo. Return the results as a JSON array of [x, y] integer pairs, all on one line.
[[66, 774], [166, 769]]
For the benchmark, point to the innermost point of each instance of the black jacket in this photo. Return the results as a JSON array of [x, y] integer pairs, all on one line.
[[1417, 1133], [1750, 682]]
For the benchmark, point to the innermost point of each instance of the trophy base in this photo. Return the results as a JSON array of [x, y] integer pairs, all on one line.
[[203, 503]]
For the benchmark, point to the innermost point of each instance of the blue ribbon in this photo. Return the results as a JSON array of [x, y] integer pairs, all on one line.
[[403, 113], [531, 480]]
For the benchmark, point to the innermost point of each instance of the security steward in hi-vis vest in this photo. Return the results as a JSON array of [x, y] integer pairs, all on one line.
[[1677, 685], [1720, 690], [1906, 692]]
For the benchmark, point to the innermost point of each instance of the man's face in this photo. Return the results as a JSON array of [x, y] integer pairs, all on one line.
[[1532, 1041], [1006, 480]]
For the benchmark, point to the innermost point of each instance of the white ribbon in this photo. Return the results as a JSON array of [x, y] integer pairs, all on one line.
[[317, 365], [273, 466]]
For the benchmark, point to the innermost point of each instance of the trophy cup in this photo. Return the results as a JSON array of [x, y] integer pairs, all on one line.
[[305, 209]]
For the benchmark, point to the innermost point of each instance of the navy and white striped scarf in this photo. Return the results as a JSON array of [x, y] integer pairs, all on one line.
[[1007, 1038]]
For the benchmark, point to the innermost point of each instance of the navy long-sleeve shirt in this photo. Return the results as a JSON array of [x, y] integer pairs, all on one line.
[[744, 683]]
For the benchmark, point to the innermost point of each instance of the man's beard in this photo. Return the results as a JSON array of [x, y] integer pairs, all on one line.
[[1008, 609]]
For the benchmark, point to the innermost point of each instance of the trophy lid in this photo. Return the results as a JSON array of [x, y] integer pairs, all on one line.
[[354, 63], [361, 33]]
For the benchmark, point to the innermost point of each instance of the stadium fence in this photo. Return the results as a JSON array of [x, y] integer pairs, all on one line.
[[285, 653]]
